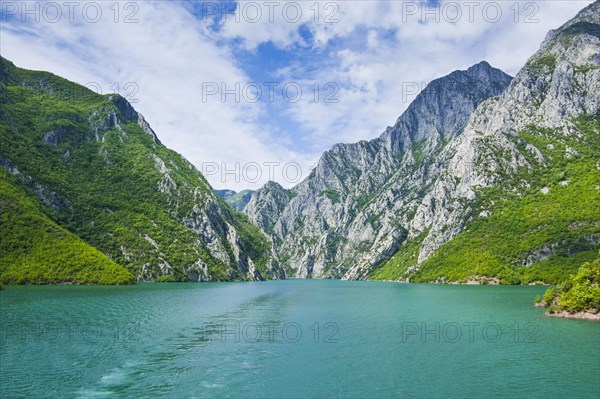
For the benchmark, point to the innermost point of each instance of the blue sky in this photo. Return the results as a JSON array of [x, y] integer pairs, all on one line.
[[366, 56]]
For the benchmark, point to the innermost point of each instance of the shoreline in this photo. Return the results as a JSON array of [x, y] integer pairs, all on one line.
[[472, 281], [583, 315]]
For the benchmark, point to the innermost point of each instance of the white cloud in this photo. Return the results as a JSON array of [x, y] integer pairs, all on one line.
[[169, 55], [377, 80], [375, 52]]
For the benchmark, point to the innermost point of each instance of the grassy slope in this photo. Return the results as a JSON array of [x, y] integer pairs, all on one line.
[[34, 249], [107, 189], [565, 220]]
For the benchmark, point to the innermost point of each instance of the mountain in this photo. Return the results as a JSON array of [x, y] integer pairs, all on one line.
[[237, 201], [352, 208], [483, 177], [89, 188], [530, 208]]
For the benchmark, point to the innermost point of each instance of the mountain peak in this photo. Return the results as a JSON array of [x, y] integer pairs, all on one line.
[[333, 210], [480, 71], [586, 21], [481, 68], [482, 64], [273, 185], [430, 114]]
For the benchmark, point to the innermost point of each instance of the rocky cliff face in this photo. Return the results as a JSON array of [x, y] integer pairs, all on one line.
[[355, 206], [558, 84], [419, 180], [97, 168]]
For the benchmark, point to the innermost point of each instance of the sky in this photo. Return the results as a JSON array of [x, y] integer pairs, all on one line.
[[252, 91]]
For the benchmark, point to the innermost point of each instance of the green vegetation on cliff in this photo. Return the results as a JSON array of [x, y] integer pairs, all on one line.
[[541, 224], [91, 166], [398, 266]]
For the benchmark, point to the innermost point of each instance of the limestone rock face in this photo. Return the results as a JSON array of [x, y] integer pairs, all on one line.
[[420, 176], [266, 205], [558, 83], [355, 206]]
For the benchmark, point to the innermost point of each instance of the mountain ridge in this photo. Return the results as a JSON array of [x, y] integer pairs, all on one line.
[[418, 133], [406, 204], [98, 170], [483, 177]]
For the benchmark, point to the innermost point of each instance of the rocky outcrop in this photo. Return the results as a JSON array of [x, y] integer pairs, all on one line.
[[266, 205], [590, 314]]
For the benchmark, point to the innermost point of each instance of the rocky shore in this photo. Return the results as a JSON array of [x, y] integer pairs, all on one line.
[[590, 314], [587, 314]]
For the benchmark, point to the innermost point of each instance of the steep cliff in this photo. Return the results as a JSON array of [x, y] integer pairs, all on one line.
[[481, 177]]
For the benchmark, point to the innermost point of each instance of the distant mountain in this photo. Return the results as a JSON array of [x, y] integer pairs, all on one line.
[[483, 177], [237, 201], [91, 195]]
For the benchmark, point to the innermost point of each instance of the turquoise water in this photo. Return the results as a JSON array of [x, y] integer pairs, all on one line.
[[295, 338]]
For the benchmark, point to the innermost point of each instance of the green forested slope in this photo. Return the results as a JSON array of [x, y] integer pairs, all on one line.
[[104, 176], [35, 249]]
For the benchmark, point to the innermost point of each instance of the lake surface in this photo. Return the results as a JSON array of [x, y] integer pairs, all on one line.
[[294, 338]]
